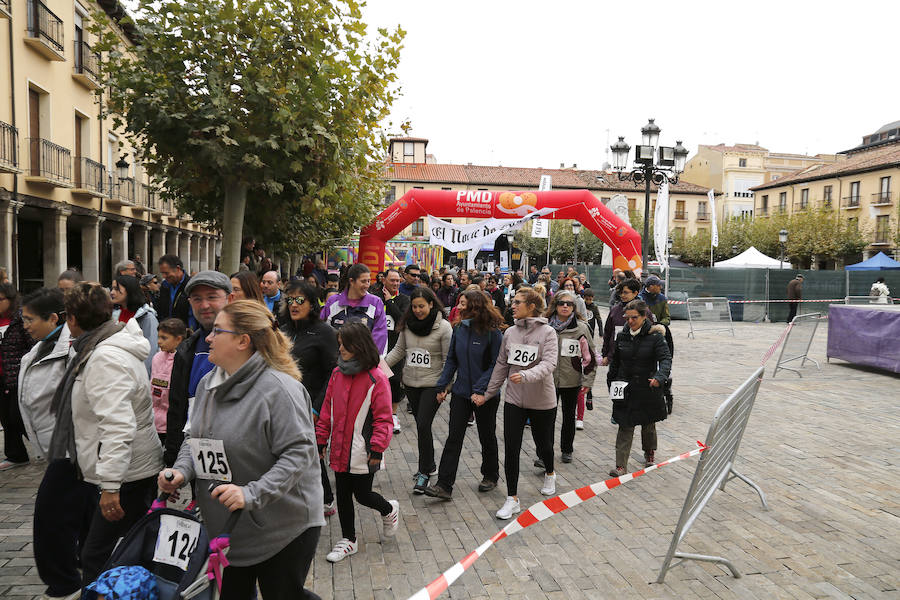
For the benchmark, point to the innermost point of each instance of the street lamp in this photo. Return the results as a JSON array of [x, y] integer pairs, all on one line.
[[669, 164], [576, 229], [510, 235], [122, 168], [782, 239], [734, 250]]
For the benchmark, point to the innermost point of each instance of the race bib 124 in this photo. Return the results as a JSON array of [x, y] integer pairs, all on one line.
[[176, 540]]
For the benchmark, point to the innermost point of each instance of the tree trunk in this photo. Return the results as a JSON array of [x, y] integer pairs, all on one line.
[[233, 227]]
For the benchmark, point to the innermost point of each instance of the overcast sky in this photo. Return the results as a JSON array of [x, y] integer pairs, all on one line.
[[536, 84]]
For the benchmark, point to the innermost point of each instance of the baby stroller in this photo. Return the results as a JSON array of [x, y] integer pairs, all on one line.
[[175, 548]]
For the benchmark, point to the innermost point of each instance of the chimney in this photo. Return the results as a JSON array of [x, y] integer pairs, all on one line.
[[574, 165], [562, 165]]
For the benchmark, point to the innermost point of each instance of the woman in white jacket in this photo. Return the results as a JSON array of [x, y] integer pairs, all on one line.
[[105, 420], [130, 303]]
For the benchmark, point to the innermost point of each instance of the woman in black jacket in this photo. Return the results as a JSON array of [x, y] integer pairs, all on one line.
[[640, 366], [314, 348], [14, 344]]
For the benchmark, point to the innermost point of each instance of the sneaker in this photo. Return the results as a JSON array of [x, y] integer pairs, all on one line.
[[539, 463], [549, 487], [409, 408], [392, 521], [396, 424], [421, 483], [7, 464], [486, 485], [612, 421], [649, 458], [510, 507], [438, 491], [617, 472], [566, 457], [579, 424], [471, 420], [330, 509], [342, 550]]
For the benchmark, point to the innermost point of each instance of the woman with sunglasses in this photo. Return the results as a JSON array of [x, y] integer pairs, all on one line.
[[315, 350], [577, 365], [640, 365], [527, 360]]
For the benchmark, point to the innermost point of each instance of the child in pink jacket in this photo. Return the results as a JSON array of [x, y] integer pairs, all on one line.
[[171, 332], [356, 419]]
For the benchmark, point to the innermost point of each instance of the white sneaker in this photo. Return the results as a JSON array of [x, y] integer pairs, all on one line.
[[392, 521], [579, 425], [396, 424], [549, 488], [509, 508], [342, 550]]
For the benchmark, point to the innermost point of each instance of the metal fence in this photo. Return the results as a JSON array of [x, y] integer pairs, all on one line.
[[715, 469], [796, 344], [709, 314]]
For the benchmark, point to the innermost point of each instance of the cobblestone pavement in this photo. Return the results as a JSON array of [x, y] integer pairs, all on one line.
[[823, 447]]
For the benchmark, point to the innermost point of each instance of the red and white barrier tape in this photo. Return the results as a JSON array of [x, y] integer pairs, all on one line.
[[841, 300], [777, 343], [535, 514]]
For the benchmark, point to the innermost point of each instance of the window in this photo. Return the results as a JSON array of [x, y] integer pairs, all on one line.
[[765, 203], [882, 229], [742, 162], [418, 227], [782, 202], [390, 196], [853, 199], [409, 149], [826, 194], [680, 213], [446, 189], [702, 211], [884, 194], [804, 198]]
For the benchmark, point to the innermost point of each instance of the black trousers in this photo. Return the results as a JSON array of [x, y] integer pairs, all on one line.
[[280, 577], [569, 400], [425, 406], [543, 425], [326, 485], [350, 485], [63, 511], [486, 421], [13, 427], [396, 390], [792, 311], [134, 498]]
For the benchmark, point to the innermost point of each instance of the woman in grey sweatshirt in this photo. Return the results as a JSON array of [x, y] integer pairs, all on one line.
[[252, 441]]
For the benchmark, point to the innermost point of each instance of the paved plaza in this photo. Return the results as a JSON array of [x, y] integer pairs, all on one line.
[[823, 447]]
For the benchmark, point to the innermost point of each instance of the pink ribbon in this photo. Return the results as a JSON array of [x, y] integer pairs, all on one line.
[[217, 560]]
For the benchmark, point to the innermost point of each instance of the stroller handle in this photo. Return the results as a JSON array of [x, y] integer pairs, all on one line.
[[232, 518]]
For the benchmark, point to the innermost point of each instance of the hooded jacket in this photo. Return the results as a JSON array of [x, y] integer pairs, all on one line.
[[436, 343], [580, 370], [369, 309], [536, 390], [112, 412], [38, 380], [471, 358], [636, 360], [263, 418]]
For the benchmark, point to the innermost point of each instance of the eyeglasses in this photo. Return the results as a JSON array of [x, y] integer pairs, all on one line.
[[565, 303], [517, 301], [216, 331], [299, 300]]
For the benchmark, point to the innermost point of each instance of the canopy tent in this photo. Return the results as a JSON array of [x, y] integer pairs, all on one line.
[[879, 262], [751, 258]]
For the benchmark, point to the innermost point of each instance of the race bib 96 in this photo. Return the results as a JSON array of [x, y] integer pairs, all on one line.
[[617, 390]]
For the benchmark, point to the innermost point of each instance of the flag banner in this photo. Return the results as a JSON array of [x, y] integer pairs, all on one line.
[[546, 183], [661, 226], [540, 228], [712, 208], [475, 235]]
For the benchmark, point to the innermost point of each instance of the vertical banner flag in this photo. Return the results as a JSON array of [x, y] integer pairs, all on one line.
[[661, 226], [712, 207], [541, 227]]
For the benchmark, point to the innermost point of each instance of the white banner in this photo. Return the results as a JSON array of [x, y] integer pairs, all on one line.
[[661, 226], [546, 183], [540, 228], [712, 208], [475, 235]]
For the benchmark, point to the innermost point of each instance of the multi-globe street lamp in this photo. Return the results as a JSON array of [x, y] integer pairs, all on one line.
[[669, 164], [782, 239]]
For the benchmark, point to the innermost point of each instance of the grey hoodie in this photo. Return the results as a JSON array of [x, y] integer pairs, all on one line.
[[536, 389], [264, 419]]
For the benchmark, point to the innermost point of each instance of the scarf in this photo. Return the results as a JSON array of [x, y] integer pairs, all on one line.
[[423, 327], [62, 443], [349, 367], [558, 325]]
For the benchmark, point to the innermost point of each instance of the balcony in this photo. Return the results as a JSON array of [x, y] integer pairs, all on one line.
[[802, 206], [45, 31], [882, 238], [151, 200], [680, 215], [781, 209], [87, 66], [90, 178], [9, 149], [882, 199], [849, 202], [826, 204], [5, 10], [123, 191], [762, 211], [50, 164], [703, 216]]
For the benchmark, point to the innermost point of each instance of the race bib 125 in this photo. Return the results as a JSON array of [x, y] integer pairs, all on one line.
[[210, 461]]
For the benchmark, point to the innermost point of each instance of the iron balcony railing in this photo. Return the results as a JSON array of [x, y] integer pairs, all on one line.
[[802, 205], [50, 161], [9, 146], [124, 191], [762, 211], [850, 202], [681, 215], [703, 216], [87, 62], [45, 25], [89, 175], [781, 209], [827, 204], [148, 196], [881, 199], [882, 237], [5, 7]]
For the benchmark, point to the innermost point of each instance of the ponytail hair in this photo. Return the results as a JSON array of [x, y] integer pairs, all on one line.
[[254, 319]]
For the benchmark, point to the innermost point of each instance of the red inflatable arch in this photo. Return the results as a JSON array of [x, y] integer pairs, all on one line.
[[444, 204]]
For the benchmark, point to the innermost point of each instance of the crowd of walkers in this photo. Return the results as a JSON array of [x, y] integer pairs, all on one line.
[[255, 391]]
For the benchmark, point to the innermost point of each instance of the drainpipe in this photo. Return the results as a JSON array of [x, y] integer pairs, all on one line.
[[14, 255]]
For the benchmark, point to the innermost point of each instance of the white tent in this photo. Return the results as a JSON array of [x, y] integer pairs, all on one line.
[[751, 258]]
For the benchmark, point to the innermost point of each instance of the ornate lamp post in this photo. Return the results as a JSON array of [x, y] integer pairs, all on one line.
[[576, 229], [669, 164], [782, 239]]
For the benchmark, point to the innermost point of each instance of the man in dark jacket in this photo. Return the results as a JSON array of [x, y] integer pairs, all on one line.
[[172, 300], [395, 307], [208, 293], [794, 292]]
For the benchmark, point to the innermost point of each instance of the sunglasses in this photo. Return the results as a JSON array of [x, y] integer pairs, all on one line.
[[298, 300], [565, 303]]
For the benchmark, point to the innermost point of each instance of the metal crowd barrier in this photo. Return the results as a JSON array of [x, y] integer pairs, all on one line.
[[715, 311], [715, 469], [796, 344], [869, 300]]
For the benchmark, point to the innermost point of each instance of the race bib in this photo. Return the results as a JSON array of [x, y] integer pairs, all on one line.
[[418, 357], [390, 322], [210, 461], [185, 497], [617, 390], [570, 348], [176, 540], [522, 355]]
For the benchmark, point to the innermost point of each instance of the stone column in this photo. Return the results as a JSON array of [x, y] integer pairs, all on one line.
[[119, 249], [55, 246], [9, 211], [195, 252], [90, 247], [184, 250], [172, 241], [213, 244], [140, 234], [158, 239]]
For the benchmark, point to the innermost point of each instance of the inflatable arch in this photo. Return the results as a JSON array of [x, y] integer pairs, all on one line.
[[582, 205]]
